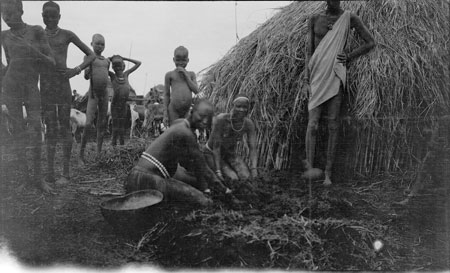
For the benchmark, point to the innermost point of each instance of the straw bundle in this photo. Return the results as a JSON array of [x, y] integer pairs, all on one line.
[[392, 93]]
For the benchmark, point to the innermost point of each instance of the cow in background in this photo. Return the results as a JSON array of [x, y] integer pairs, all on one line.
[[77, 123], [137, 118]]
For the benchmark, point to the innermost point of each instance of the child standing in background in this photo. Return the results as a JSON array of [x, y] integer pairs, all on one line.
[[122, 88], [98, 74], [179, 85]]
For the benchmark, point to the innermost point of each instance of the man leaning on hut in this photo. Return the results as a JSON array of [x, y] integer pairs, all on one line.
[[325, 72]]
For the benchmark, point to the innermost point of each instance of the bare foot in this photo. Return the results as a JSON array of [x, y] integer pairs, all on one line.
[[327, 181], [63, 180]]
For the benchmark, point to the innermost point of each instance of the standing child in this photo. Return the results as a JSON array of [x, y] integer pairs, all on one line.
[[56, 97], [98, 75], [122, 89], [179, 85], [26, 50]]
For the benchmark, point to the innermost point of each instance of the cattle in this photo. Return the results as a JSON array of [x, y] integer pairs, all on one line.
[[153, 122], [137, 115], [77, 123]]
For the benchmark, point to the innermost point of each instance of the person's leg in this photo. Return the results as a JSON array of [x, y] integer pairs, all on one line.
[[140, 179], [239, 167], [173, 114], [66, 138], [19, 133], [184, 176], [34, 113], [101, 120], [179, 192], [334, 106], [173, 190], [52, 126], [228, 171], [90, 115], [122, 124], [311, 134], [115, 130]]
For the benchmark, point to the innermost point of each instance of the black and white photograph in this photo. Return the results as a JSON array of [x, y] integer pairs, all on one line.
[[225, 135]]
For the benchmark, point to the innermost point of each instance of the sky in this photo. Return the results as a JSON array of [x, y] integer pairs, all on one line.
[[150, 31]]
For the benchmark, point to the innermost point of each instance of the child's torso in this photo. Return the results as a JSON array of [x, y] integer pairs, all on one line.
[[99, 73], [59, 44], [180, 94], [121, 91]]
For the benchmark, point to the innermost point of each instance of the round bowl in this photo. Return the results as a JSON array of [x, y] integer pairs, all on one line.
[[139, 209]]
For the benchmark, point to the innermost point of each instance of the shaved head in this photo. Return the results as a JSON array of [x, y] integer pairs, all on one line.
[[98, 37], [51, 4], [181, 51]]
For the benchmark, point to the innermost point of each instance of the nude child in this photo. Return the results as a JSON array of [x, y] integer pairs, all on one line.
[[98, 74], [179, 85], [56, 97]]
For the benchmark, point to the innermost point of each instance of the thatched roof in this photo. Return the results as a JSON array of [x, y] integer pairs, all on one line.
[[405, 79]]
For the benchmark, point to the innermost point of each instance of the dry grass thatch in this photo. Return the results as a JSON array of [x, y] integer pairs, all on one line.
[[394, 91]]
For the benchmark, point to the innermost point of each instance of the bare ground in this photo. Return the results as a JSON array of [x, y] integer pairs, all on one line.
[[282, 225]]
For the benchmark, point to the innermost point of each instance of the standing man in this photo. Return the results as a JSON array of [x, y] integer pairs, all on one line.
[[325, 72], [26, 50], [56, 97]]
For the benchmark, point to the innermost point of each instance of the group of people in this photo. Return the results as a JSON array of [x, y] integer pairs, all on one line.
[[325, 77], [33, 55], [174, 163]]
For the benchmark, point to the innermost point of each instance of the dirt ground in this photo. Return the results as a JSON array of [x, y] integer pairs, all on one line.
[[284, 224]]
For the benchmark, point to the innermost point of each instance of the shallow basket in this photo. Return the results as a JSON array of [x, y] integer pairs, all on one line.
[[135, 211]]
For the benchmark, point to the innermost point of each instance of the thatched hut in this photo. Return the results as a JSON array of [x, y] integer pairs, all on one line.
[[393, 92]]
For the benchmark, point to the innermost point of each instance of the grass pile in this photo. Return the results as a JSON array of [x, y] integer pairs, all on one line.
[[288, 230], [393, 93], [121, 159]]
